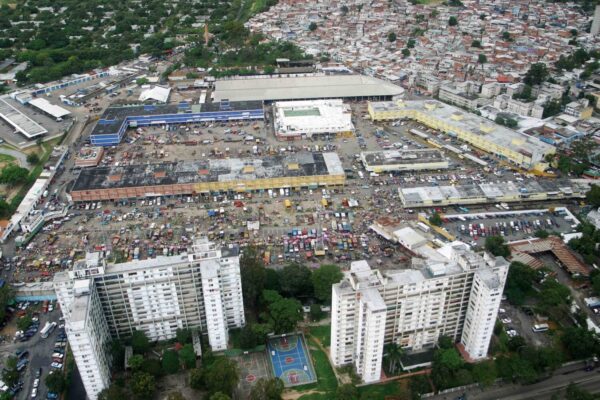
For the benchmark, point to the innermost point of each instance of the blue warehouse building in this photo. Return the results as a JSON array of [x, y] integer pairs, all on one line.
[[113, 124]]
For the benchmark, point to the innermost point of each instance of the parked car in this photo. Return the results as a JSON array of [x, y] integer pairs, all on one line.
[[56, 365]]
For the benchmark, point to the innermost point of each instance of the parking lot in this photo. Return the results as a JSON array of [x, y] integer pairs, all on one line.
[[521, 321], [38, 353], [474, 228]]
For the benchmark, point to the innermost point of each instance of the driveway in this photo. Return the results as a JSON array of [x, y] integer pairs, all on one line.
[[21, 157]]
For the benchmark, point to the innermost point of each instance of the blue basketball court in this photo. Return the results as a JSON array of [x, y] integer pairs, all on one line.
[[290, 360]]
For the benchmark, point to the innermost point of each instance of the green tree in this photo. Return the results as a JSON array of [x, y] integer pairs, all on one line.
[[592, 197], [519, 283], [411, 43], [55, 382], [536, 75], [136, 362], [33, 158], [552, 108], [10, 375], [6, 295], [322, 279], [24, 322], [419, 385], [344, 9], [476, 43], [392, 353], [391, 37], [267, 389], [576, 393], [253, 277], [541, 233], [295, 280], [482, 58], [153, 367], [496, 246], [142, 385], [346, 391], [197, 379], [222, 376], [312, 27], [405, 52], [170, 362], [553, 294], [219, 396], [13, 174], [452, 21], [436, 219], [506, 36], [113, 392], [117, 352], [485, 373], [595, 279], [248, 338], [579, 342], [142, 81], [140, 342], [316, 314], [183, 335], [188, 356], [283, 314]]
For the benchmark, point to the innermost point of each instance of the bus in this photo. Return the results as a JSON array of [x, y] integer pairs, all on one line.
[[540, 327], [47, 329]]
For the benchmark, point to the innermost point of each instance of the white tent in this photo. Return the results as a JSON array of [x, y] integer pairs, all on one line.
[[157, 93]]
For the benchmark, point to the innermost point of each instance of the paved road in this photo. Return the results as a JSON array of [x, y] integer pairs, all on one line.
[[539, 391], [21, 157]]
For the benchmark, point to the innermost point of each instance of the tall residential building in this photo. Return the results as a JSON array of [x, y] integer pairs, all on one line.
[[457, 294], [595, 29], [88, 335], [199, 290]]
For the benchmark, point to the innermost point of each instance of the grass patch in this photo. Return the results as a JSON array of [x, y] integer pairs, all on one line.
[[326, 380], [5, 158], [381, 391], [323, 333]]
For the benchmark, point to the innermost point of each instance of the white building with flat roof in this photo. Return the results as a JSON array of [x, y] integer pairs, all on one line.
[[305, 119], [200, 290], [456, 294], [403, 160]]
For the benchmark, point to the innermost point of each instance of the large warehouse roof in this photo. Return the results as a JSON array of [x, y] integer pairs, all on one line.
[[49, 108], [20, 121], [305, 87]]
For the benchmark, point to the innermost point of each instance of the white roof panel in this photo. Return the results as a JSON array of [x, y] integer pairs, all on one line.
[[49, 108]]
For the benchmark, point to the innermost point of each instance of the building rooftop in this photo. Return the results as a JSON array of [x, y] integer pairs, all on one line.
[[488, 190], [395, 157], [462, 120], [20, 121], [209, 170], [114, 116], [304, 87]]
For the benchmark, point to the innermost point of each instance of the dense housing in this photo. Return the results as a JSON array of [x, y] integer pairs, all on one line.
[[297, 170]]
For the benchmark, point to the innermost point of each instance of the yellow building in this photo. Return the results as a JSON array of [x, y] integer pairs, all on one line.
[[522, 150]]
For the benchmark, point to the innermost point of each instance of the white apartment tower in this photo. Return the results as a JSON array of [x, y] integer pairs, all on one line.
[[199, 290], [595, 29], [88, 336], [457, 294]]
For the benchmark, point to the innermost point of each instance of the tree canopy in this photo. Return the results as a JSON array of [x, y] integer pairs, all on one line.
[[322, 279], [267, 389], [140, 342], [222, 376], [496, 246], [282, 314]]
